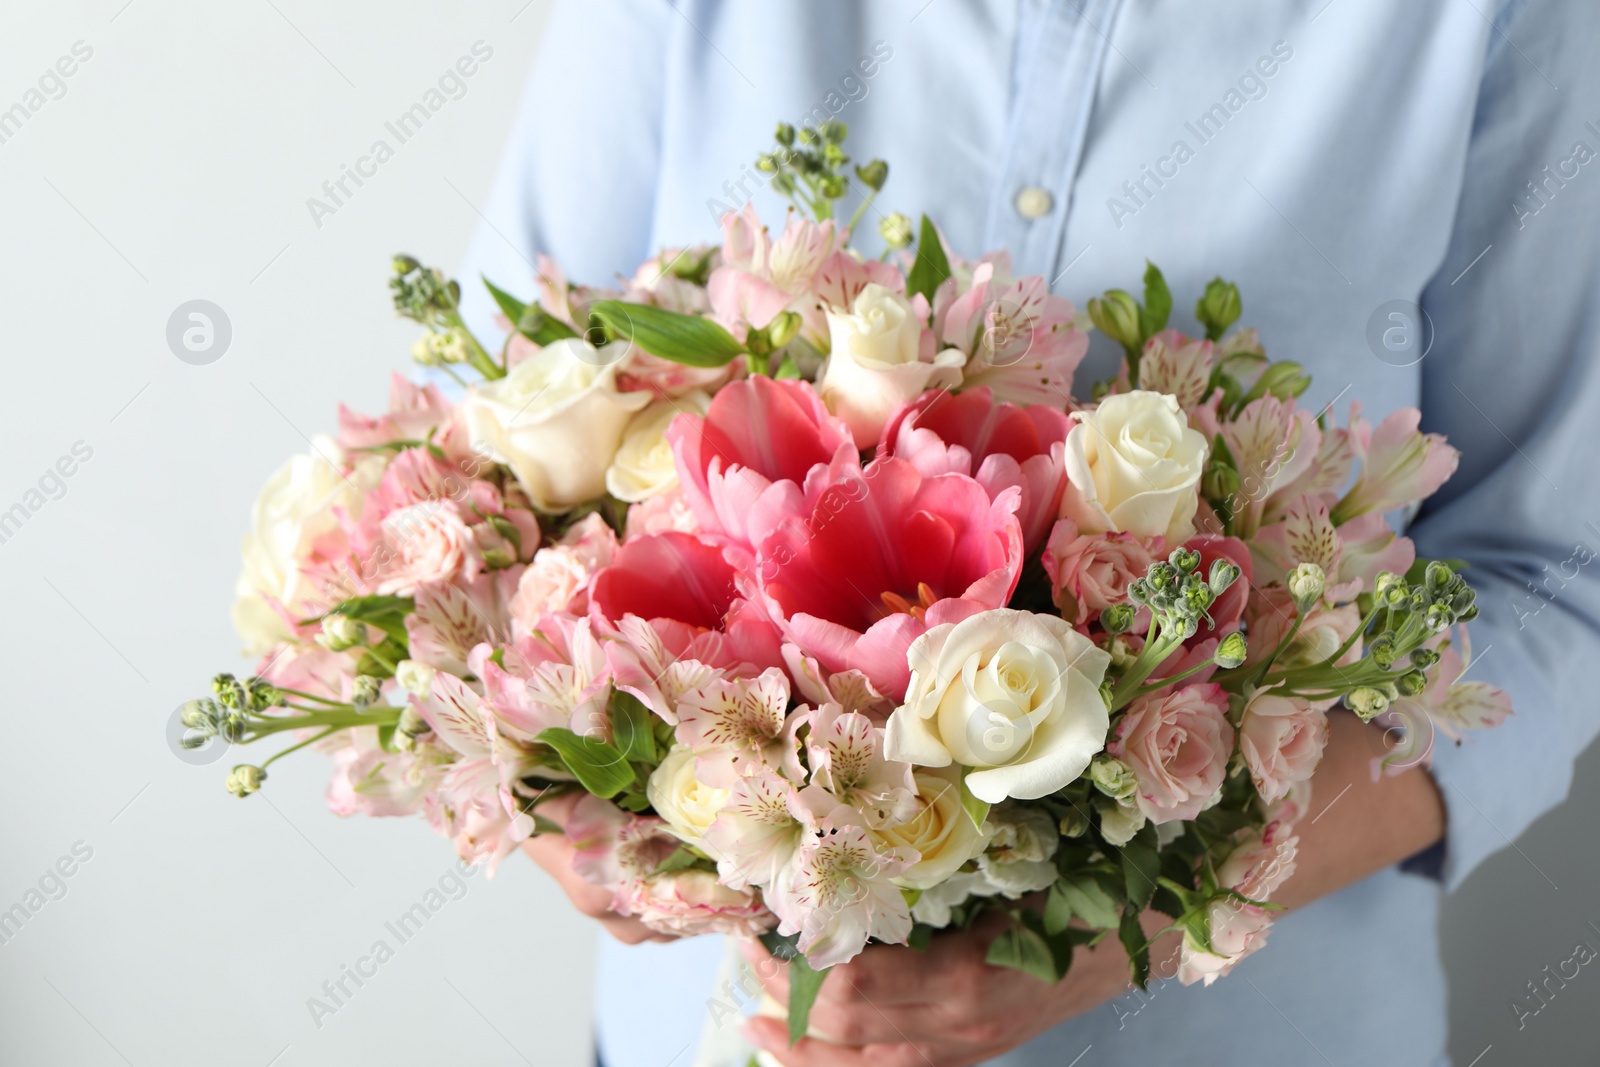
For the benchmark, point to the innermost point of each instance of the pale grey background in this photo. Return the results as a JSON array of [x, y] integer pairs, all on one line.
[[177, 167]]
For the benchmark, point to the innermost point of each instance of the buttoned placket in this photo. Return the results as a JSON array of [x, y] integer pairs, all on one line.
[[1061, 49]]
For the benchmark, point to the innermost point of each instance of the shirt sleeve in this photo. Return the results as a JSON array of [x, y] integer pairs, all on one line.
[[578, 177], [1513, 379]]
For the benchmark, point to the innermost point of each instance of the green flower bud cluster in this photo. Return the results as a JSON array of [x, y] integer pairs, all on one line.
[[808, 167], [1177, 595], [425, 295], [245, 779]]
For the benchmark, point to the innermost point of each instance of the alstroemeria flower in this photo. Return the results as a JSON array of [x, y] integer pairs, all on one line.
[[1019, 338], [1399, 465]]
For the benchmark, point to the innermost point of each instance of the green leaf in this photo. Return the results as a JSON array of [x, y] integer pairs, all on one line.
[[633, 727], [691, 340], [681, 859], [931, 267], [1141, 866], [390, 650], [1133, 942], [387, 613], [1157, 301], [788, 368], [921, 937], [804, 984], [1057, 910], [1024, 950], [1091, 903], [530, 320], [977, 810], [601, 768]]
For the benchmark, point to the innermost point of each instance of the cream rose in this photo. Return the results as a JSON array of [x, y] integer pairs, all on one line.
[[294, 508], [1133, 465], [942, 833], [644, 466], [1013, 695], [875, 362], [556, 420], [688, 805]]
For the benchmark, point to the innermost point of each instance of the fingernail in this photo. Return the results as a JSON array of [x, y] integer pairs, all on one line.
[[752, 1034]]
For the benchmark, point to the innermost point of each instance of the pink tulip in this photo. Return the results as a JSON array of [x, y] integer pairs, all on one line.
[[757, 431], [857, 564], [1001, 445]]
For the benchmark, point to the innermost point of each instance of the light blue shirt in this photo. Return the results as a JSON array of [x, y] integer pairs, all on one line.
[[1330, 157]]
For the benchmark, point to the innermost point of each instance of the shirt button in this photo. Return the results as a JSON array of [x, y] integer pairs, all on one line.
[[1034, 202]]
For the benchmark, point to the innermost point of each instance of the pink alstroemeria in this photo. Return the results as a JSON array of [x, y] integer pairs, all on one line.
[[1176, 364], [857, 564], [757, 431], [413, 411], [451, 619], [1351, 555], [845, 753], [838, 893], [1273, 443], [999, 444], [1019, 338], [737, 726], [1399, 465]]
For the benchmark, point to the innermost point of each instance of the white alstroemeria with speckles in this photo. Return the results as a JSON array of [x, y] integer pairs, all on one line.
[[736, 724], [845, 750]]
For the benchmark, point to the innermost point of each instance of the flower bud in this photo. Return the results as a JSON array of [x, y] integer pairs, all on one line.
[[1283, 380], [1224, 573], [895, 230], [1231, 651], [1122, 654], [245, 779], [873, 174], [340, 632], [404, 264], [414, 677], [1117, 316], [1185, 559], [365, 690], [200, 715], [231, 693], [1219, 308], [1220, 482], [1117, 618], [1306, 583], [1438, 577], [784, 134], [422, 352], [1113, 777], [411, 724], [833, 131], [781, 330], [1367, 702], [1411, 683], [1381, 649], [1423, 658], [1074, 823]]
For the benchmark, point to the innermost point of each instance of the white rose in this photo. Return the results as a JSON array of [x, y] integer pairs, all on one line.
[[687, 804], [1011, 694], [874, 364], [1133, 465], [555, 420], [644, 466], [295, 507], [942, 833]]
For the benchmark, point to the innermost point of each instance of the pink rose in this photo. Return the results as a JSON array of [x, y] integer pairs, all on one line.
[[1178, 746], [1281, 739], [1090, 572], [1256, 868], [690, 902], [559, 576], [425, 542]]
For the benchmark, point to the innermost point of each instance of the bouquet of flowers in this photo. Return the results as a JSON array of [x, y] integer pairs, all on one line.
[[844, 617]]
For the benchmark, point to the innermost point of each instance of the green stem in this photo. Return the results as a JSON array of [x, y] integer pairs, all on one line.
[[477, 355], [1149, 659], [301, 744], [334, 720], [1162, 683], [861, 210], [372, 650], [312, 696], [1351, 640]]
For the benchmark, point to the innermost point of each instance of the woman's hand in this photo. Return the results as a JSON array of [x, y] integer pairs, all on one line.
[[943, 1007], [554, 853]]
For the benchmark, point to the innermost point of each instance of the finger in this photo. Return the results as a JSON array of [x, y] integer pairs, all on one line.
[[772, 1037]]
